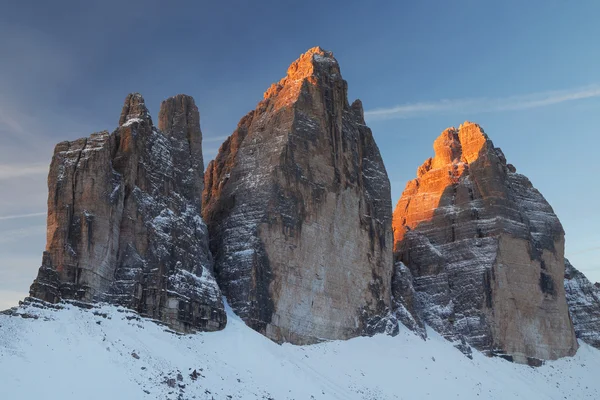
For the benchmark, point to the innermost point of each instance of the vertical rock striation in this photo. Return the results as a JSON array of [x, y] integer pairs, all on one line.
[[486, 252], [298, 208], [583, 298], [124, 221]]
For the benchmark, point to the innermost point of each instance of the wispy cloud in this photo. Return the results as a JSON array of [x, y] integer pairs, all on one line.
[[10, 122], [484, 104], [214, 139], [11, 171], [17, 234], [210, 153], [588, 250], [19, 216]]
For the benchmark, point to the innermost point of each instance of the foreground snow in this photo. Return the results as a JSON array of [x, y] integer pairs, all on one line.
[[109, 353]]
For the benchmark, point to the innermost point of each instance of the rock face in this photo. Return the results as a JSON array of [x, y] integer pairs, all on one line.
[[404, 300], [486, 252], [583, 298], [124, 221], [298, 207]]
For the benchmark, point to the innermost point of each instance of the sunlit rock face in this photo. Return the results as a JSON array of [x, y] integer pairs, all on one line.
[[583, 298], [124, 222], [486, 252], [298, 207]]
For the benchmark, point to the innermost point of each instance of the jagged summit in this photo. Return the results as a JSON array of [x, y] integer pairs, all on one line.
[[357, 109], [316, 67], [461, 145], [314, 62], [134, 109], [177, 114], [180, 120]]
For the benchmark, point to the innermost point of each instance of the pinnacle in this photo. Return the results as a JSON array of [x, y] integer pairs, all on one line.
[[134, 109], [309, 61], [318, 50], [314, 63], [178, 113]]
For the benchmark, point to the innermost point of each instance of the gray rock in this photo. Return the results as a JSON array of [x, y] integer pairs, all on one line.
[[298, 208], [404, 298], [583, 298], [124, 221]]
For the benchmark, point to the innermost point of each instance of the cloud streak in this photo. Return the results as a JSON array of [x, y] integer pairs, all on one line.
[[484, 104], [214, 139], [588, 250], [11, 171], [21, 233], [19, 216], [12, 124]]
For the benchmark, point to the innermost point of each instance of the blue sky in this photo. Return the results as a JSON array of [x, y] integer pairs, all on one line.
[[528, 72]]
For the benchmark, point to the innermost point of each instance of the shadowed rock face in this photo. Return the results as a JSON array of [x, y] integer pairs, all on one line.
[[486, 252], [583, 298], [298, 208], [404, 301], [124, 221]]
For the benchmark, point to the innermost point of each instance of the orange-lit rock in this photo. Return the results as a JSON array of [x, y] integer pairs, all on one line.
[[486, 251]]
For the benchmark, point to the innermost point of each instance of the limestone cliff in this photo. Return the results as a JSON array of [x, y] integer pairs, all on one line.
[[298, 207], [486, 252], [124, 221]]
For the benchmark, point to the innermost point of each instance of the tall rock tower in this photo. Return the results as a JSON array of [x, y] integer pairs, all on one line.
[[486, 251], [124, 221], [298, 207]]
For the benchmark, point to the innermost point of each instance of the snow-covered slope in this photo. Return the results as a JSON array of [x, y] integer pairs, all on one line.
[[110, 353]]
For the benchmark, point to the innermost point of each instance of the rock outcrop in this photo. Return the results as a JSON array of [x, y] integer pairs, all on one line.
[[486, 252], [583, 298], [124, 222], [298, 207]]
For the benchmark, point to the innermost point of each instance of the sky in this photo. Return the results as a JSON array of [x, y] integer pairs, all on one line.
[[527, 72]]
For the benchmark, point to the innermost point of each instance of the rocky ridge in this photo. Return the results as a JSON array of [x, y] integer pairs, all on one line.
[[486, 252], [124, 222], [298, 207]]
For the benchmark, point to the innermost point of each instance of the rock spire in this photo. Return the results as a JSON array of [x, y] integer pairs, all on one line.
[[485, 250], [124, 221], [298, 207]]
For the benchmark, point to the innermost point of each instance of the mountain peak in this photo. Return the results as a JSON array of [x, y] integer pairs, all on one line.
[[286, 193], [462, 145], [487, 249], [311, 65], [175, 113], [134, 109]]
